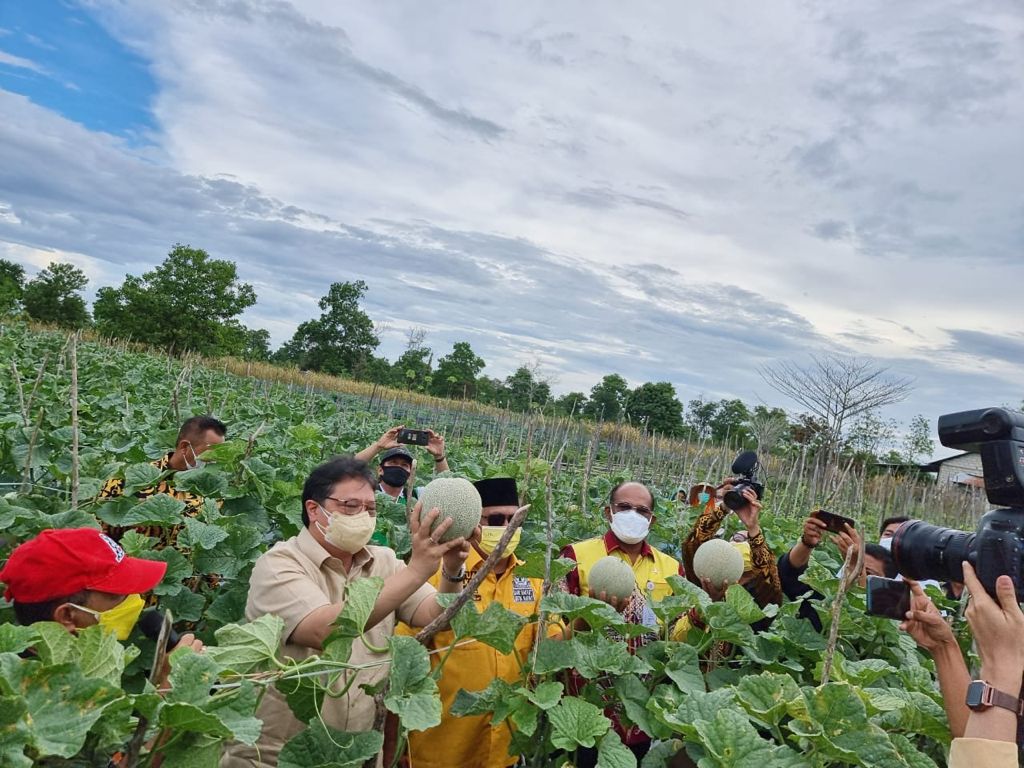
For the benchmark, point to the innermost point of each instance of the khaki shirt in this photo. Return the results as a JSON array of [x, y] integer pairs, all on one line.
[[982, 753], [291, 580]]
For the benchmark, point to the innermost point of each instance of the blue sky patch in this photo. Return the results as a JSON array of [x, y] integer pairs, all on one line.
[[60, 57]]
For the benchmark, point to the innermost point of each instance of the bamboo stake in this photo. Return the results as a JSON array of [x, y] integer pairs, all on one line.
[[73, 353]]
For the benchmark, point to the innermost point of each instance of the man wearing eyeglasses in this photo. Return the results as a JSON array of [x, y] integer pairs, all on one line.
[[630, 514], [472, 742], [303, 580]]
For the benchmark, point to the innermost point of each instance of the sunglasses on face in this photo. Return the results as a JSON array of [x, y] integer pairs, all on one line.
[[498, 519]]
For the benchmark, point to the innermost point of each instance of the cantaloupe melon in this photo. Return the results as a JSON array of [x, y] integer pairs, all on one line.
[[718, 561], [613, 576], [457, 499]]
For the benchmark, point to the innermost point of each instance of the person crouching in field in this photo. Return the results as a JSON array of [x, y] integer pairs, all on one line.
[[302, 580]]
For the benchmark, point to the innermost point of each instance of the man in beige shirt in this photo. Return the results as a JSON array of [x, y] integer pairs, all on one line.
[[302, 580]]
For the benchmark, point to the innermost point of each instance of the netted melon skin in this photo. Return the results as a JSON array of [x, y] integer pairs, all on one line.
[[612, 576], [458, 499], [718, 561]]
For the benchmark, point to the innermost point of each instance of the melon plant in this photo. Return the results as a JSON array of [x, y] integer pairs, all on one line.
[[718, 561], [458, 499], [613, 576]]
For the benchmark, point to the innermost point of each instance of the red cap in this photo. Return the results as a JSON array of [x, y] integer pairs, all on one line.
[[63, 561]]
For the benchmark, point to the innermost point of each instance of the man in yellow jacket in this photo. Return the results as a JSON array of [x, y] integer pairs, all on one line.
[[471, 742]]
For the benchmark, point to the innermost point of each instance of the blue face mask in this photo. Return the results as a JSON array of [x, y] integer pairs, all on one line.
[[703, 498]]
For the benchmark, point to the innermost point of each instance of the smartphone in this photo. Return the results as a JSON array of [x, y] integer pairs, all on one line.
[[888, 597], [413, 436], [833, 521]]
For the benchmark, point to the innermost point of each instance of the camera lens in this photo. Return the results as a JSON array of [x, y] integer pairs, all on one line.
[[734, 499], [924, 551]]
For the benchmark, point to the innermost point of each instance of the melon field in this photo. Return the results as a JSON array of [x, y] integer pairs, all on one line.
[[74, 413]]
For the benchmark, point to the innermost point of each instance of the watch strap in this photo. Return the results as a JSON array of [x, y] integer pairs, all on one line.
[[981, 695]]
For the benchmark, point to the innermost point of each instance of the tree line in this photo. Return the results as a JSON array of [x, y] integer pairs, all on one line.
[[191, 302]]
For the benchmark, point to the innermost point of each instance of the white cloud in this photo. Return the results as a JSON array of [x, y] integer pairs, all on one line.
[[11, 60], [680, 192]]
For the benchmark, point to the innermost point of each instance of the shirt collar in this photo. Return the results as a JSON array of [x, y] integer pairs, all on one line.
[[314, 550], [611, 543]]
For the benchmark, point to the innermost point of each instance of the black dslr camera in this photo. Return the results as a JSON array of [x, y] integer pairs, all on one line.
[[924, 551], [745, 467]]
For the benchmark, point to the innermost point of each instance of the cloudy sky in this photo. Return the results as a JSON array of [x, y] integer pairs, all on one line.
[[677, 191]]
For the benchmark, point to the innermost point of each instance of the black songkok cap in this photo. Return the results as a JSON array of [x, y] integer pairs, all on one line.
[[498, 492]]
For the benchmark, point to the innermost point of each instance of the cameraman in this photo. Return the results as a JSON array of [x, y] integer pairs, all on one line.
[[990, 735]]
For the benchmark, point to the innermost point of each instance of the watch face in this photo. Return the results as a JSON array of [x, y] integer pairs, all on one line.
[[975, 694]]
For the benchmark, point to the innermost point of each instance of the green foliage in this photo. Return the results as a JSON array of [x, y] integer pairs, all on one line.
[[190, 302], [917, 442], [607, 398], [456, 373], [340, 341], [12, 285], [53, 296], [656, 407]]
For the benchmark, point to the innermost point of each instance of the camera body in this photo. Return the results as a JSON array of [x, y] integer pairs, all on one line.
[[745, 466], [924, 551]]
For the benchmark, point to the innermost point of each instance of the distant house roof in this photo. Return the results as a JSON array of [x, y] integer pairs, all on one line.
[[936, 465]]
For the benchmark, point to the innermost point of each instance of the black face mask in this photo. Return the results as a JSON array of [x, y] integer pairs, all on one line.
[[396, 477]]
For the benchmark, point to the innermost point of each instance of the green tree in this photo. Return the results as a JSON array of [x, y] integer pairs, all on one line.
[[917, 442], [53, 296], [341, 341], [767, 427], [870, 435], [456, 373], [607, 398], [656, 407], [729, 422], [699, 415], [12, 285], [526, 390], [570, 404], [413, 369], [188, 302]]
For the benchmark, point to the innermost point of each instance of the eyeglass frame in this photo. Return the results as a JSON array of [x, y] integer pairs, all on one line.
[[348, 509], [625, 506]]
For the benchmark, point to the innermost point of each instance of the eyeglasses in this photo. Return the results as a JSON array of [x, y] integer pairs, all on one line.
[[625, 506], [498, 519], [354, 506]]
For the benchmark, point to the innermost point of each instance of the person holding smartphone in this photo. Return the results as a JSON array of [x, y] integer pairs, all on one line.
[[396, 463]]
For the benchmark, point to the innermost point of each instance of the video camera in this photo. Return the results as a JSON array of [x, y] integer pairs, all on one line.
[[924, 551], [745, 466]]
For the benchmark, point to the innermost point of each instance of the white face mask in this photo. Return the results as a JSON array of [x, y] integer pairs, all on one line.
[[196, 462], [887, 543], [630, 526], [349, 533]]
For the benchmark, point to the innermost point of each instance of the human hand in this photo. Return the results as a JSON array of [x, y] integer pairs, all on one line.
[[389, 439], [724, 486], [435, 445], [614, 602], [454, 559], [847, 538], [814, 529], [998, 629], [188, 640], [427, 547], [750, 514], [716, 593], [924, 623]]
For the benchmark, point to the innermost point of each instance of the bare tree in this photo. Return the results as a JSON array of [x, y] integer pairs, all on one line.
[[414, 338], [836, 390], [767, 427]]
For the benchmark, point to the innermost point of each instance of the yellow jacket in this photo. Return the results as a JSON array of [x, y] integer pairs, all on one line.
[[471, 742]]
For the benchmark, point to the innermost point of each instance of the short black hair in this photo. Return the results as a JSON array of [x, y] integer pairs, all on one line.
[[881, 553], [199, 425], [30, 613], [615, 489], [889, 521], [323, 478]]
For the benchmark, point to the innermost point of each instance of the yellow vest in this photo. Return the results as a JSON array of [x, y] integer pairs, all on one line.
[[650, 570], [471, 742]]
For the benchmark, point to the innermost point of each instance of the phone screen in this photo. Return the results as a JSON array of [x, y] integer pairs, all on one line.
[[834, 522], [413, 436], [888, 597]]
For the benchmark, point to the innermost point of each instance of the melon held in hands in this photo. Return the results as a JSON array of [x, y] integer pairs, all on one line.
[[613, 576], [718, 561], [457, 499]]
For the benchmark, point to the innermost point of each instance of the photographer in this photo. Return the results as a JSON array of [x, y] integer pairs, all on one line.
[[793, 564], [762, 578], [990, 735]]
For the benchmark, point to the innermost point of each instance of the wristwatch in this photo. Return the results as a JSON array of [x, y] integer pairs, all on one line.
[[982, 696]]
